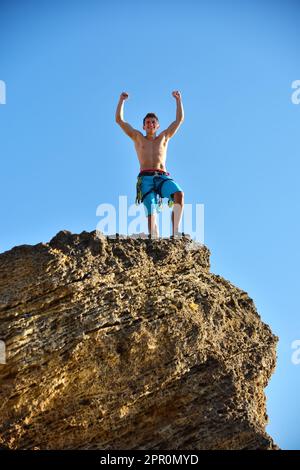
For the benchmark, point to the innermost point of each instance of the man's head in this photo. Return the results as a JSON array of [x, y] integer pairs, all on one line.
[[150, 123]]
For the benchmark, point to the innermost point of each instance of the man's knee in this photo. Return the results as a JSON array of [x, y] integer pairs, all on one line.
[[179, 197]]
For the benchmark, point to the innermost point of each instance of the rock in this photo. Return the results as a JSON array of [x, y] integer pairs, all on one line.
[[129, 343]]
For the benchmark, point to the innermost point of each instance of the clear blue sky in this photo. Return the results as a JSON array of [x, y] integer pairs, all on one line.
[[65, 64]]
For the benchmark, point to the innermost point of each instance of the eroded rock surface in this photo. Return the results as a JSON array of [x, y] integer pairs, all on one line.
[[129, 343]]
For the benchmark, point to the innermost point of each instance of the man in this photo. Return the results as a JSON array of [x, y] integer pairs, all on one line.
[[154, 182]]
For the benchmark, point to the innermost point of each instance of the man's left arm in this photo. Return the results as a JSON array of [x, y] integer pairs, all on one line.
[[170, 131]]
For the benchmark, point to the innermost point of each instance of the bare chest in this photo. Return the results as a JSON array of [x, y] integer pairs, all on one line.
[[150, 147]]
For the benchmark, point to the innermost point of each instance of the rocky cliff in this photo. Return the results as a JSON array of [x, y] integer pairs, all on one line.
[[128, 343]]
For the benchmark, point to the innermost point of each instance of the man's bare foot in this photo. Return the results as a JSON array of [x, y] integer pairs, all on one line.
[[177, 235], [153, 236]]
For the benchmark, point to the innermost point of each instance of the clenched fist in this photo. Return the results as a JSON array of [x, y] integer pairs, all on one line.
[[176, 94], [124, 95]]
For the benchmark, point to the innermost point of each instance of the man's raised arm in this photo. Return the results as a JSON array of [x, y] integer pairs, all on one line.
[[170, 131], [130, 131]]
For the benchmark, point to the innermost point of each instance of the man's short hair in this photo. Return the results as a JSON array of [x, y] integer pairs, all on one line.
[[150, 115]]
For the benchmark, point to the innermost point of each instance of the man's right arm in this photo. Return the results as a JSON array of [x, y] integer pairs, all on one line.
[[127, 128]]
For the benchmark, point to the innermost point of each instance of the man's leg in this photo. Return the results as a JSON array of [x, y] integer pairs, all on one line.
[[177, 211], [152, 226], [150, 204]]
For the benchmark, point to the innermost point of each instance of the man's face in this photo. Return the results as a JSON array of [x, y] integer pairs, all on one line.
[[151, 125]]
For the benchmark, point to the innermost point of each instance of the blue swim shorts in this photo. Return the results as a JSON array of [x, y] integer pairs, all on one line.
[[151, 189]]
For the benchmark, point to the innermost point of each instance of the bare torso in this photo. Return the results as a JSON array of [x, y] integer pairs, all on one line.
[[151, 153]]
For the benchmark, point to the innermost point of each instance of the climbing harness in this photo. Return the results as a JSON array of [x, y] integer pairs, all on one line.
[[157, 188]]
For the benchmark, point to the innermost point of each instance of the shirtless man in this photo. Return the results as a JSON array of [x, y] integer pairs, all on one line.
[[154, 182]]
